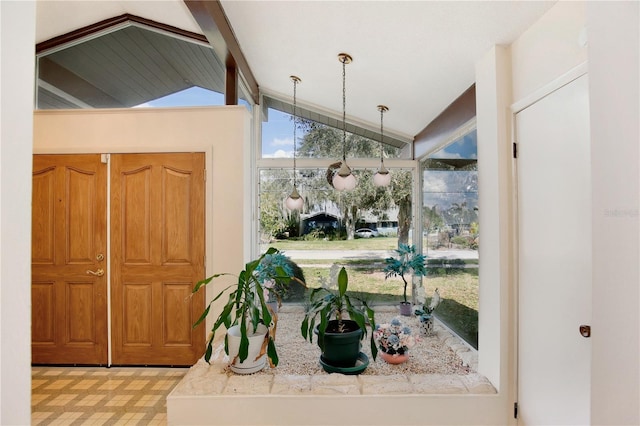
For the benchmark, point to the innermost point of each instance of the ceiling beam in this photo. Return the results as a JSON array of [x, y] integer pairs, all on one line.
[[73, 85], [108, 24], [211, 18]]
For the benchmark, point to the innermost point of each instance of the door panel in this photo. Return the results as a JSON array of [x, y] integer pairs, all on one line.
[[554, 215], [69, 307], [157, 252]]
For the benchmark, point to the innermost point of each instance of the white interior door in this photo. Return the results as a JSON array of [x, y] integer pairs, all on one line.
[[554, 215]]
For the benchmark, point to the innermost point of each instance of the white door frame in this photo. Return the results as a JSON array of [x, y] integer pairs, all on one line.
[[516, 108]]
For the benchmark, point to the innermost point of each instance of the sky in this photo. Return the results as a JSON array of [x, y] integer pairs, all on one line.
[[277, 133]]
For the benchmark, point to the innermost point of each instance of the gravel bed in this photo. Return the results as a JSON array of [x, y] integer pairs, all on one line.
[[430, 355]]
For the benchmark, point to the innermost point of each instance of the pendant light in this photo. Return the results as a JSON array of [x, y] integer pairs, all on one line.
[[294, 201], [343, 179], [382, 177]]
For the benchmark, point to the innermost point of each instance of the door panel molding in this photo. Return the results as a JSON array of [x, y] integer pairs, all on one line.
[[157, 255], [69, 308]]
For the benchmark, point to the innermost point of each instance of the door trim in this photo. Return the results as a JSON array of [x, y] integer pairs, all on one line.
[[547, 89], [515, 108]]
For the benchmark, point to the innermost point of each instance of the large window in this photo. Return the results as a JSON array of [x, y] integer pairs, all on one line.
[[451, 233], [355, 229]]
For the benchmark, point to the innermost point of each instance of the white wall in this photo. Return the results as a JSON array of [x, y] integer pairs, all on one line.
[[612, 43], [493, 96], [222, 133], [549, 48], [614, 75], [17, 38], [552, 47]]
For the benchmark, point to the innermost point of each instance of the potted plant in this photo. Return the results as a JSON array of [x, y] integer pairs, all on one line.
[[246, 317], [394, 340], [277, 291], [338, 337], [426, 313], [407, 261]]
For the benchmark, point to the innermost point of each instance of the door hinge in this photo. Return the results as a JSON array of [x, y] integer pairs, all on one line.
[[515, 410], [515, 150]]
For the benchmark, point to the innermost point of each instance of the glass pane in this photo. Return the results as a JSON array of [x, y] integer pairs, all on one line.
[[195, 96], [129, 66], [315, 140], [357, 229], [451, 234]]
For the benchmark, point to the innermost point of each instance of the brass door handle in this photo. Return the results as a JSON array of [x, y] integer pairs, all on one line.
[[98, 273]]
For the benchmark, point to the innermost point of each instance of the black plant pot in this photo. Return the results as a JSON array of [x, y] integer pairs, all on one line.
[[341, 347]]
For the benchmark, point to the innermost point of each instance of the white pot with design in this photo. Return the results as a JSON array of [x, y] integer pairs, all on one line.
[[254, 362]]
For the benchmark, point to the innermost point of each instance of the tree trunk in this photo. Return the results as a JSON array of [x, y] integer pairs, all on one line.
[[404, 220], [351, 216]]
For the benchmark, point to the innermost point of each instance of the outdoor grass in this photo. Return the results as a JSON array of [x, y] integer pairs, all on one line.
[[375, 243], [458, 289]]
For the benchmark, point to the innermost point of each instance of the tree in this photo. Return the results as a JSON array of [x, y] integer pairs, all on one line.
[[273, 215], [326, 142], [432, 219], [401, 190]]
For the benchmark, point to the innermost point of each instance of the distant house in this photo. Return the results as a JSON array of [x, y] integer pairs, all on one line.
[[320, 221]]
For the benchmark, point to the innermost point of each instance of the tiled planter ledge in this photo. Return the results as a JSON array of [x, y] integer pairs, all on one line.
[[207, 386]]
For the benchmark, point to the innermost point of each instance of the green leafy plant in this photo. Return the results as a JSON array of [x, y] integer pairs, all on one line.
[[433, 303], [246, 306], [407, 261], [325, 304], [277, 291]]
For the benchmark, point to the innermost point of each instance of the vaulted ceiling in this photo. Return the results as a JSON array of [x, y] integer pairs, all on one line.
[[416, 57]]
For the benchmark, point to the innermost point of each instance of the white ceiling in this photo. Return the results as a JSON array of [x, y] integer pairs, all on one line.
[[416, 57]]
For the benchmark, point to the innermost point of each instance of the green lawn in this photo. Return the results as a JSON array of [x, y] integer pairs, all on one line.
[[457, 287], [376, 243]]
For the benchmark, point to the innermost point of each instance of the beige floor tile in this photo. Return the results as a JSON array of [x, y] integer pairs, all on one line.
[[90, 400], [61, 400], [136, 385], [101, 396], [84, 384], [118, 401], [110, 384], [58, 384]]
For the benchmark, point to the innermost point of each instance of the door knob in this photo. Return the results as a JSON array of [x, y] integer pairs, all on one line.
[[585, 330], [98, 273]]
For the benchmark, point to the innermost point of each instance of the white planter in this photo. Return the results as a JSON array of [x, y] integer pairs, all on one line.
[[254, 362]]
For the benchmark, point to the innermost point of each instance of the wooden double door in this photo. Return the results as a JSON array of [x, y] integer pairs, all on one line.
[[137, 288]]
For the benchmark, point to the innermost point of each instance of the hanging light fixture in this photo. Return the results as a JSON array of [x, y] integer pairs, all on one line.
[[294, 201], [343, 179], [382, 177]]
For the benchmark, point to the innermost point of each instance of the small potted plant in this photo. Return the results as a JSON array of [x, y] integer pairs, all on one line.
[[277, 291], [426, 313], [394, 340], [408, 261], [338, 337], [246, 317]]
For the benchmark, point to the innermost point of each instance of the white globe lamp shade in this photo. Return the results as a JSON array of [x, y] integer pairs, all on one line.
[[382, 179], [344, 180], [294, 201]]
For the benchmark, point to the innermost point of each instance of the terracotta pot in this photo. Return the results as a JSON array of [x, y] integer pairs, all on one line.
[[395, 358]]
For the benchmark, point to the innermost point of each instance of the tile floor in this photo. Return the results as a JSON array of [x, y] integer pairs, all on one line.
[[101, 396]]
